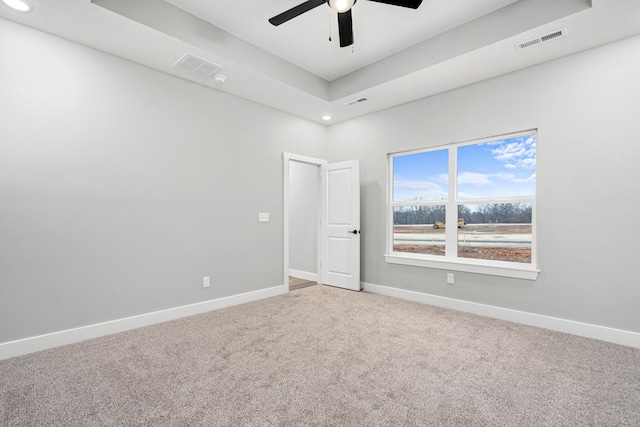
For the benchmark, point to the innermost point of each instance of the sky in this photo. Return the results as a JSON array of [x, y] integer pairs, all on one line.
[[500, 168]]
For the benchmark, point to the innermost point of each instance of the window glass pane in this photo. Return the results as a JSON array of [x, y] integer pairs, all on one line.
[[421, 176], [501, 168], [499, 232], [419, 229]]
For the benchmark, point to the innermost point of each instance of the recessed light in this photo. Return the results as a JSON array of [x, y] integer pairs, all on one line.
[[326, 117], [220, 78], [19, 5]]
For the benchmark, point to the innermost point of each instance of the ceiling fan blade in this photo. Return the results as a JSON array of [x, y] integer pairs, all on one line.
[[295, 11], [413, 4], [345, 28]]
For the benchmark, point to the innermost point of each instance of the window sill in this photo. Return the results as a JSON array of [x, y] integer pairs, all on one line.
[[526, 272]]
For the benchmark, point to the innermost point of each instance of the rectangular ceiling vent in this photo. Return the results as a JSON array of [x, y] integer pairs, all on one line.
[[356, 101], [197, 66], [541, 39]]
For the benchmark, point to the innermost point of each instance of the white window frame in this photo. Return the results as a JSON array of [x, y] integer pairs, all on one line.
[[450, 261]]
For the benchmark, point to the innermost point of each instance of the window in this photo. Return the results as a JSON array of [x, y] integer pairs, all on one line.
[[485, 188]]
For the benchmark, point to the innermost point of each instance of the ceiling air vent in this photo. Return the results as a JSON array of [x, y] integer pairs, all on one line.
[[197, 66], [356, 101], [544, 38]]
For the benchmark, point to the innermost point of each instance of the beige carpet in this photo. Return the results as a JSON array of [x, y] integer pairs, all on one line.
[[322, 356]]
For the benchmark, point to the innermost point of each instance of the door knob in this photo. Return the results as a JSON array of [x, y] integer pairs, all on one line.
[[355, 231]]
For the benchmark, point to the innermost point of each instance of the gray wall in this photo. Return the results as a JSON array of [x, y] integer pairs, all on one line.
[[121, 187], [587, 110], [303, 217]]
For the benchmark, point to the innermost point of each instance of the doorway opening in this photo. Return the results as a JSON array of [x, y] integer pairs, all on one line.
[[330, 237], [302, 227]]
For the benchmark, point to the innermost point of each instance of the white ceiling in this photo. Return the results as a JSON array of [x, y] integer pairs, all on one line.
[[399, 54], [379, 29]]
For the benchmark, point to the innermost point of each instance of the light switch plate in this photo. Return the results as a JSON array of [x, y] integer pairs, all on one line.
[[263, 216]]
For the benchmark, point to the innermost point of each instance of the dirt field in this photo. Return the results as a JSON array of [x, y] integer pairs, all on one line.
[[498, 254], [501, 242], [469, 228]]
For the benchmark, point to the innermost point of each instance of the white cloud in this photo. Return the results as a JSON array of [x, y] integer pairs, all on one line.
[[474, 178], [517, 154], [504, 175], [513, 150], [531, 178], [416, 185], [528, 163], [418, 190]]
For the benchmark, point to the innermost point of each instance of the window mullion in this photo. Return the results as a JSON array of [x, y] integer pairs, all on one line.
[[451, 236], [390, 204]]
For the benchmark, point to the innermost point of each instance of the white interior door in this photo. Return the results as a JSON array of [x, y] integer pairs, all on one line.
[[340, 260]]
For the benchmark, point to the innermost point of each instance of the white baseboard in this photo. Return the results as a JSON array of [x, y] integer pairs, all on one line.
[[603, 333], [303, 275], [56, 339]]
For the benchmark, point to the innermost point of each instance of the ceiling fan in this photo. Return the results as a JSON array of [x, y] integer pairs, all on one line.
[[343, 7]]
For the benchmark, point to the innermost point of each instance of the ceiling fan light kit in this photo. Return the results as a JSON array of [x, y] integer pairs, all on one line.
[[19, 5], [343, 7]]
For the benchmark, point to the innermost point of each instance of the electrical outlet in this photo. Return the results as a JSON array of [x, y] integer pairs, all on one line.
[[450, 278], [263, 216], [206, 282]]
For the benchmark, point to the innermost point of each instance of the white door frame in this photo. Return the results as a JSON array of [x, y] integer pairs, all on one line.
[[287, 158]]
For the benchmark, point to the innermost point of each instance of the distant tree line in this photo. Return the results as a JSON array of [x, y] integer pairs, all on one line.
[[501, 213]]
